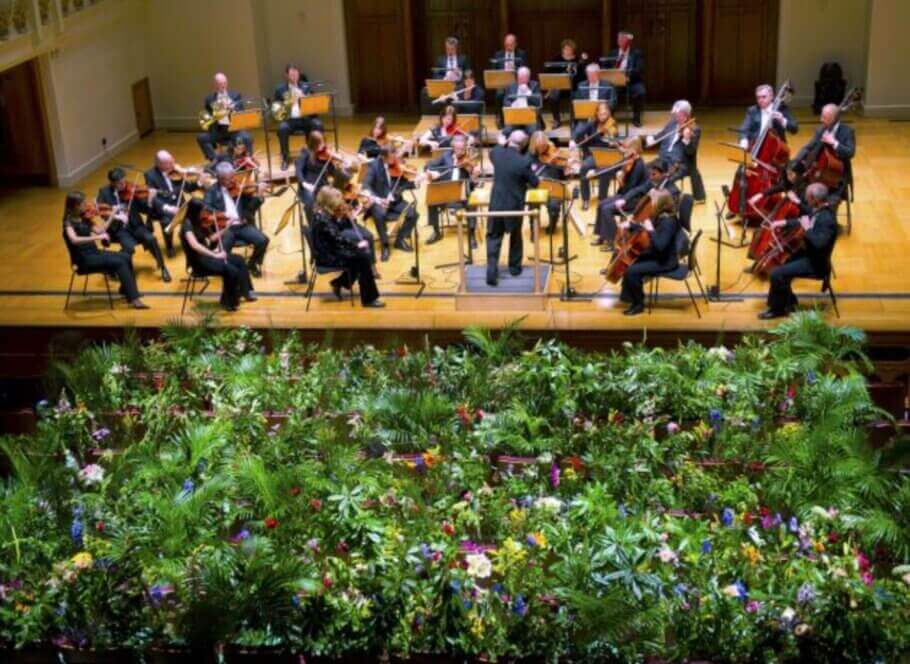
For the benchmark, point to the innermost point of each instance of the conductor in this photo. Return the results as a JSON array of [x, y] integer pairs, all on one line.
[[512, 175]]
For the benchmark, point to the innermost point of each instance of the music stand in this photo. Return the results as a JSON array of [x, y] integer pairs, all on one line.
[[556, 191], [469, 122], [413, 278], [559, 81], [605, 157], [445, 193], [517, 117], [322, 103], [744, 161], [615, 77], [437, 87], [584, 108], [498, 79]]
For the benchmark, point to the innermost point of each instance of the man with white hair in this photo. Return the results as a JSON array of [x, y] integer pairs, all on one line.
[[838, 137], [513, 174], [219, 132], [761, 116], [594, 89], [680, 146], [240, 210], [170, 185], [524, 93], [630, 60]]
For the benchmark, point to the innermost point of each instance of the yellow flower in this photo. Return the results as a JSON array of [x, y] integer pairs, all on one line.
[[751, 554], [517, 517], [819, 546], [540, 539], [82, 560], [477, 626]]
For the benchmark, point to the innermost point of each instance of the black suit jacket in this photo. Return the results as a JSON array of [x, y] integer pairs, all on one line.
[[442, 62], [282, 89], [246, 204], [444, 163], [533, 100], [498, 59], [820, 239], [635, 184], [605, 92], [331, 244], [512, 176], [236, 97], [308, 168], [157, 180], [379, 184], [585, 129], [635, 67], [663, 243], [751, 125], [679, 152], [107, 194], [846, 147], [577, 65]]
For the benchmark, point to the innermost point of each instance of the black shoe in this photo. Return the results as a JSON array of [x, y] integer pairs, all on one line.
[[731, 215], [634, 310], [435, 237], [255, 270], [165, 275], [515, 271], [636, 122], [403, 245], [492, 278], [700, 201], [230, 308], [284, 163], [336, 290], [375, 304], [768, 314], [585, 205], [138, 304], [384, 256]]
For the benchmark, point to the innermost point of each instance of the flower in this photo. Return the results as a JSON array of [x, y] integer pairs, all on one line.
[[448, 528], [672, 427], [99, 526], [706, 547], [737, 590], [91, 474], [554, 475], [101, 434], [753, 606], [188, 486], [548, 504], [727, 517], [315, 504], [811, 377], [239, 537], [793, 525], [271, 523], [76, 530], [537, 539], [716, 418], [520, 606], [479, 566], [295, 491], [862, 562], [82, 560], [802, 629], [906, 578], [867, 578], [667, 555], [159, 592], [327, 581], [751, 554], [806, 594]]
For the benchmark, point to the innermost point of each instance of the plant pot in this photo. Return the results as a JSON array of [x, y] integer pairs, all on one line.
[[178, 655], [234, 654], [39, 653], [95, 656]]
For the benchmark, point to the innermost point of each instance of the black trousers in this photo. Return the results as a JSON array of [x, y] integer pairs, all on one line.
[[554, 208], [495, 231], [235, 276], [605, 221], [780, 295], [165, 221], [362, 234], [308, 198], [249, 234], [434, 212], [287, 127], [698, 185], [637, 98], [129, 236], [113, 262], [554, 100], [603, 181], [383, 215], [633, 281], [359, 269], [219, 133]]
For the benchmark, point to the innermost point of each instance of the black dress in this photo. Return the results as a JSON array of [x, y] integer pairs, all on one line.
[[234, 273], [335, 245]]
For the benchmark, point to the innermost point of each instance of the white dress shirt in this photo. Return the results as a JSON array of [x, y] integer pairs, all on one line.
[[225, 98], [296, 94], [230, 208]]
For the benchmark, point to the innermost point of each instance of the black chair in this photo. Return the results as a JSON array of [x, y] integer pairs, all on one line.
[[686, 203], [85, 273], [826, 288], [191, 280], [685, 268], [317, 268]]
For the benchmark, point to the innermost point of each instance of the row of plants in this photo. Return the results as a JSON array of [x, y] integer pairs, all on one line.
[[494, 500]]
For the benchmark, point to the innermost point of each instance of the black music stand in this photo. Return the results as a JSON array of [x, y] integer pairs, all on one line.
[[445, 193], [413, 276]]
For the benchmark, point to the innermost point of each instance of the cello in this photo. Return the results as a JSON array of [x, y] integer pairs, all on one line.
[[783, 243], [764, 236], [822, 164], [769, 154]]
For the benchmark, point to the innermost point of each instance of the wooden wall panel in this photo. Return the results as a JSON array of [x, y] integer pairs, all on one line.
[[377, 31], [542, 24], [24, 142]]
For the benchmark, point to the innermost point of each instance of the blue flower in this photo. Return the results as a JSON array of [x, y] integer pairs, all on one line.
[[793, 525], [520, 606], [188, 486], [680, 589], [623, 512], [295, 601], [425, 550], [467, 604], [76, 531], [707, 547], [526, 502], [101, 434], [726, 517], [455, 585], [806, 594], [497, 588], [742, 591], [716, 418], [811, 377]]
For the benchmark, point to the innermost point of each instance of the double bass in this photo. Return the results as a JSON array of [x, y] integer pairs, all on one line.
[[769, 155], [822, 164]]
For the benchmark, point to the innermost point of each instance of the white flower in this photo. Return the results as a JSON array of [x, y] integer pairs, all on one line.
[[479, 566], [548, 503], [118, 369], [721, 352], [667, 555], [92, 474], [788, 614], [731, 590], [906, 578]]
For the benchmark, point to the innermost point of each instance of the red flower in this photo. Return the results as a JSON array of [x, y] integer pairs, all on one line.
[[479, 414], [342, 547], [271, 523], [748, 518], [99, 526], [448, 528], [764, 511], [295, 491], [327, 581], [316, 504], [466, 418], [833, 537]]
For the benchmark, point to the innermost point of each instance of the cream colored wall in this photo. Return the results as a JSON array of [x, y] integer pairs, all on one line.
[[813, 32], [888, 73]]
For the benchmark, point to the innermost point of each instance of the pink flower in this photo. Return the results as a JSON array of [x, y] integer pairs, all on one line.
[[753, 606], [867, 578], [672, 428], [667, 555], [862, 562], [554, 475]]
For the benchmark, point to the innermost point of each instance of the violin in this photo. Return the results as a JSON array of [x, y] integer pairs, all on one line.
[[95, 210], [247, 188], [212, 220], [179, 174], [398, 169], [134, 191]]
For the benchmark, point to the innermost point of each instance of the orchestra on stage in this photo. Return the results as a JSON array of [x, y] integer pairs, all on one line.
[[355, 207]]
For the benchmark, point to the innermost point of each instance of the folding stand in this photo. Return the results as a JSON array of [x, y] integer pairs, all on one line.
[[413, 277], [443, 194]]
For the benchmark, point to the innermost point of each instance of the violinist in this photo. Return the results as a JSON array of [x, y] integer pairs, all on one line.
[[632, 177], [290, 92], [80, 238], [629, 59], [386, 180], [598, 132], [660, 257], [315, 167], [372, 144], [337, 247], [762, 115], [813, 260], [523, 93], [594, 89], [202, 244], [570, 62], [544, 164], [220, 103], [679, 145], [441, 135], [836, 136], [239, 203], [454, 164], [452, 65], [128, 203], [171, 184]]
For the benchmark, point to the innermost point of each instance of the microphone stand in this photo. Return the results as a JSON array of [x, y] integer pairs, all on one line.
[[714, 291]]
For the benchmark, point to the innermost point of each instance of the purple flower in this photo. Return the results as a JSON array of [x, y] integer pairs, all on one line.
[[425, 550], [526, 502], [793, 525], [716, 418], [159, 592], [706, 547], [726, 517], [101, 434], [806, 594], [680, 589], [313, 544], [554, 475], [742, 590], [188, 486], [753, 607], [767, 522], [241, 536], [520, 606]]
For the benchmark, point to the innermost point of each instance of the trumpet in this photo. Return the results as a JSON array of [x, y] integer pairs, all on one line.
[[220, 110]]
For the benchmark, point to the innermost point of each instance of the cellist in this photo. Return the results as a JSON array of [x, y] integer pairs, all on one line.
[[660, 257], [762, 115], [839, 138], [813, 260], [634, 174]]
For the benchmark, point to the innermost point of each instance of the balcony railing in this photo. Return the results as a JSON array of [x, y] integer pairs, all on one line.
[[23, 17]]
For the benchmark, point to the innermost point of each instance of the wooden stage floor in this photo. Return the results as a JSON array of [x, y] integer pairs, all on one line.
[[872, 281]]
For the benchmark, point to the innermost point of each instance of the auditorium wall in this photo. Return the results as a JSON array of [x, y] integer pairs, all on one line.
[[887, 80]]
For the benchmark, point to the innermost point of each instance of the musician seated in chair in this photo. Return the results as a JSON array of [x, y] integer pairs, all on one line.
[[371, 145], [598, 132], [170, 185], [336, 246], [452, 65], [632, 178], [660, 257], [510, 58], [680, 146], [570, 62], [289, 93], [523, 93], [127, 228], [442, 134], [593, 89], [630, 60], [315, 168], [386, 180], [80, 238], [240, 207], [838, 137], [448, 166], [220, 104], [541, 151], [762, 115], [470, 90], [205, 254], [813, 260]]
